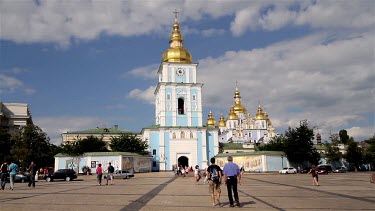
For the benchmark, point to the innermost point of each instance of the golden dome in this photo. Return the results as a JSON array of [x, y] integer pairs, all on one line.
[[222, 121], [232, 115], [260, 115], [211, 121], [176, 52], [238, 107], [268, 120]]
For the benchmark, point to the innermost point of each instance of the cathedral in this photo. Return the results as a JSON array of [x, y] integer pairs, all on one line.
[[239, 127], [179, 136]]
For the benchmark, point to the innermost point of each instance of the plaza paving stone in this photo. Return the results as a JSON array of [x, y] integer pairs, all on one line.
[[162, 191]]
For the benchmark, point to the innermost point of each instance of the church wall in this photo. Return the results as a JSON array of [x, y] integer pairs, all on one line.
[[155, 144], [170, 71], [191, 75], [182, 120], [211, 145], [167, 150], [200, 150], [183, 147]]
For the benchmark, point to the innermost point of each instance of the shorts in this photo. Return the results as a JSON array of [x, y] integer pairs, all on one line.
[[109, 176], [214, 186]]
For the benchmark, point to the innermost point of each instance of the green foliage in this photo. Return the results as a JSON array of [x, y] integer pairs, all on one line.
[[79, 147], [344, 138], [275, 144], [128, 143], [5, 145], [32, 144], [354, 154], [369, 155], [333, 153], [298, 144], [335, 139]]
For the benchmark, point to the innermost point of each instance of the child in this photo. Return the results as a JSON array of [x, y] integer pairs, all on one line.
[[197, 174]]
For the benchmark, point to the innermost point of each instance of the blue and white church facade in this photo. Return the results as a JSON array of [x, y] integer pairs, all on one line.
[[179, 136]]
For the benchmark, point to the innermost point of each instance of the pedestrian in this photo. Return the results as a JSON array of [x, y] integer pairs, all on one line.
[[232, 177], [182, 169], [214, 175], [314, 174], [197, 175], [32, 171], [13, 169], [110, 171], [4, 174], [205, 176], [99, 173]]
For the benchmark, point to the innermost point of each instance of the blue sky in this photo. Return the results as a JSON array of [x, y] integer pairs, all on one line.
[[87, 64]]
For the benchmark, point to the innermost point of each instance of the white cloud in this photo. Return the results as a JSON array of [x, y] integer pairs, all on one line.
[[63, 22], [54, 126], [9, 84], [212, 32], [361, 133], [146, 95], [147, 72]]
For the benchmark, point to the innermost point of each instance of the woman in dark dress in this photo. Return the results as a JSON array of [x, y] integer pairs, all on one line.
[[314, 175]]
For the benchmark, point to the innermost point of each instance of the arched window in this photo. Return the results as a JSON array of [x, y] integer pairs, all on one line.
[[181, 109], [194, 98], [168, 97], [182, 134]]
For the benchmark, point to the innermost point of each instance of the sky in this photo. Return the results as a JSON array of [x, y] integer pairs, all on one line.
[[86, 64]]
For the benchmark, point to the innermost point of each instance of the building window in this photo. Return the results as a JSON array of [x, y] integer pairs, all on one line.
[[181, 106], [154, 152], [194, 97], [182, 134], [154, 164], [168, 97]]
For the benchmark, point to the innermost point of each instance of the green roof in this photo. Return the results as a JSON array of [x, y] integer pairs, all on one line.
[[104, 154], [101, 131], [232, 146], [251, 153]]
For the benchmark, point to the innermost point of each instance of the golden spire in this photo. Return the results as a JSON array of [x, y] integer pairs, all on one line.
[[232, 115], [222, 121], [211, 121], [269, 123], [176, 52], [238, 107], [260, 114]]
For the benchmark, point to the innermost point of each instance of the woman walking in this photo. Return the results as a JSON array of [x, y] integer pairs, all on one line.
[[314, 176], [99, 173]]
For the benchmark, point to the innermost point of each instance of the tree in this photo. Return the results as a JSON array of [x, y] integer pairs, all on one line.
[[335, 139], [299, 147], [276, 144], [5, 145], [344, 138], [333, 153], [92, 144], [369, 155], [128, 142], [32, 144], [354, 154]]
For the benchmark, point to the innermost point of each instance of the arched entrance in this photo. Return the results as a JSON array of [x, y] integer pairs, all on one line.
[[183, 161]]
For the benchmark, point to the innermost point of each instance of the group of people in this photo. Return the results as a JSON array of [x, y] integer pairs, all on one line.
[[110, 171], [12, 170], [182, 170], [230, 176]]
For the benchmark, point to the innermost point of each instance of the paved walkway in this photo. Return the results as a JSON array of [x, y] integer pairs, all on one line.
[[162, 191]]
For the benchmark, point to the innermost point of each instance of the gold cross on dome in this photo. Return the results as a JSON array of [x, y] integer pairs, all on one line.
[[175, 15]]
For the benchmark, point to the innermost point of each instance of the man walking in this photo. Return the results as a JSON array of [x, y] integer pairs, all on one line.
[[214, 176], [32, 170], [13, 168], [110, 171], [232, 176], [4, 174]]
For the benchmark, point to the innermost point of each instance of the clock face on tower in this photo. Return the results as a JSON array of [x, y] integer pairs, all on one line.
[[180, 71]]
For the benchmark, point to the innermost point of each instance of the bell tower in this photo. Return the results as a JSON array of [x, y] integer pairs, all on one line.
[[178, 95]]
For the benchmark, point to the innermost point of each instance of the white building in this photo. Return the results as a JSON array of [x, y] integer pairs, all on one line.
[[240, 127], [178, 136], [14, 115]]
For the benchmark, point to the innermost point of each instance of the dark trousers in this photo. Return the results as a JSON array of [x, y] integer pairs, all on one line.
[[232, 185], [32, 180], [3, 180], [100, 178]]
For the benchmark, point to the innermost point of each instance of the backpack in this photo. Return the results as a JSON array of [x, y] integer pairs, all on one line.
[[214, 174], [111, 169]]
